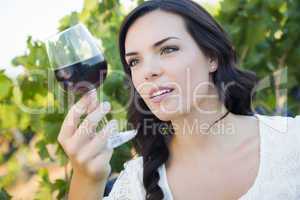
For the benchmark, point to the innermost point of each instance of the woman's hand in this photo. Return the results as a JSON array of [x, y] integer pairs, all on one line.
[[84, 147]]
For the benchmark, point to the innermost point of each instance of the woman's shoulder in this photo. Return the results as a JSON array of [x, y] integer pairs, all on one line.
[[281, 140], [281, 132], [280, 150], [283, 125]]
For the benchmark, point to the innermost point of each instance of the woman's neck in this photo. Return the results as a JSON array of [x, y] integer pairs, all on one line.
[[192, 135]]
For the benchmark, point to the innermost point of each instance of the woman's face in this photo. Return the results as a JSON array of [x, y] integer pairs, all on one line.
[[174, 62]]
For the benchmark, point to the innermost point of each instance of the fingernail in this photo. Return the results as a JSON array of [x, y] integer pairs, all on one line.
[[106, 106]]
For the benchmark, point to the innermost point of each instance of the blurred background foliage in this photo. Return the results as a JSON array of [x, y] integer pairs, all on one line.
[[265, 35]]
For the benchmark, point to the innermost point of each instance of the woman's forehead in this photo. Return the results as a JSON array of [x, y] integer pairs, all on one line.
[[153, 27]]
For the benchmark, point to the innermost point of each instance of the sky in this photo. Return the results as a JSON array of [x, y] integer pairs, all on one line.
[[19, 19], [38, 18]]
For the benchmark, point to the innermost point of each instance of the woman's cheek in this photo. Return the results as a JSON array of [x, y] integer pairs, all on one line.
[[136, 82]]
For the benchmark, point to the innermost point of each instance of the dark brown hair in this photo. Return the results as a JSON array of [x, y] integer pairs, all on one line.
[[150, 143]]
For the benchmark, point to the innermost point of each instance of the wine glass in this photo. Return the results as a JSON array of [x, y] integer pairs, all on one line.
[[79, 65]]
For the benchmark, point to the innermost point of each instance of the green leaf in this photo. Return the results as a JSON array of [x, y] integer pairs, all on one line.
[[4, 195], [68, 21], [51, 126], [90, 5], [62, 157], [42, 150], [5, 86], [45, 186], [62, 186], [8, 116], [229, 6]]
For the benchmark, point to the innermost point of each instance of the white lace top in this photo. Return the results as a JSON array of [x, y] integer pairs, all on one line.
[[278, 176]]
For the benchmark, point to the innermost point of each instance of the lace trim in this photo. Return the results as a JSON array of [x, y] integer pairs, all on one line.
[[128, 185]]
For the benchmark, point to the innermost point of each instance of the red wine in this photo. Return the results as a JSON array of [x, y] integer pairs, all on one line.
[[82, 76]]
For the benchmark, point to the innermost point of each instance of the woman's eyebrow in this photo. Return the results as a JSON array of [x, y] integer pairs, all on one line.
[[156, 44]]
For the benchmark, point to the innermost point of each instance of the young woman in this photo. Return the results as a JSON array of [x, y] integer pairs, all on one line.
[[198, 137]]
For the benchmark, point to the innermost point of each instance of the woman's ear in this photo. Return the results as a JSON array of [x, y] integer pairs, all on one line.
[[213, 65]]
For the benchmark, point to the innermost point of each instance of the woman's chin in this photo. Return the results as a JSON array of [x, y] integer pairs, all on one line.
[[165, 114]]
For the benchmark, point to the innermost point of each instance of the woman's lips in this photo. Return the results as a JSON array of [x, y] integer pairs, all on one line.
[[159, 98]]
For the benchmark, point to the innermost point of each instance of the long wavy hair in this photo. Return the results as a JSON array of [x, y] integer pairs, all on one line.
[[153, 136]]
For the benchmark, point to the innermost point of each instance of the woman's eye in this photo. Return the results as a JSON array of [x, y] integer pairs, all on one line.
[[164, 50], [168, 50], [131, 63]]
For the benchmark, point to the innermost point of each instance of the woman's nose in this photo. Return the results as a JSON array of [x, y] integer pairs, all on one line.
[[152, 71]]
